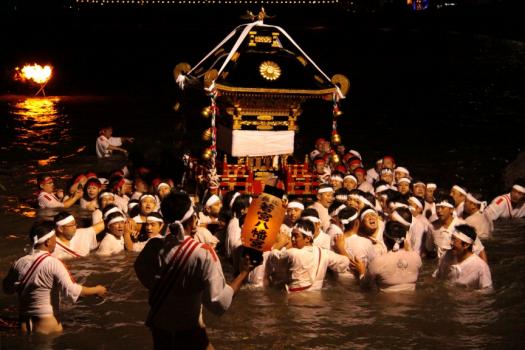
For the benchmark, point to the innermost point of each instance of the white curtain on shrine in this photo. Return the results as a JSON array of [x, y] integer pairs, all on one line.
[[254, 143]]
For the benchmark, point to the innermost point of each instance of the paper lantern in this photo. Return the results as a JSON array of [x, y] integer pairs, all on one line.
[[263, 222]]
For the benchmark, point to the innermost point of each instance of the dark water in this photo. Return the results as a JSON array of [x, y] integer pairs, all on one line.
[[447, 103]]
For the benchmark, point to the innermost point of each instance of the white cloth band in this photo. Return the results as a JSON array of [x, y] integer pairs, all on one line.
[[68, 219], [154, 218], [459, 189], [463, 237], [350, 219], [162, 184], [37, 241], [519, 188], [295, 205], [397, 217], [338, 209], [416, 202], [366, 212], [341, 197], [395, 205], [336, 177], [395, 248], [444, 204], [113, 210], [109, 194], [212, 200], [116, 219], [482, 204], [325, 189], [312, 219], [402, 169], [350, 177], [431, 185], [148, 196], [382, 188], [234, 197], [132, 205], [303, 231], [404, 179]]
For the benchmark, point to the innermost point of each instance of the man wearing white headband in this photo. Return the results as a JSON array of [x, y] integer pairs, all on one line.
[[336, 180], [430, 206], [183, 275], [443, 228], [372, 174], [210, 212], [306, 264], [152, 227], [510, 205], [73, 242], [459, 194], [293, 213], [473, 213], [397, 270], [401, 172], [460, 265], [113, 241], [321, 239], [420, 227], [325, 197], [39, 279]]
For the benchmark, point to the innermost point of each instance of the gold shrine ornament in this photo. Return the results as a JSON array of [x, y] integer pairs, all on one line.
[[270, 70]]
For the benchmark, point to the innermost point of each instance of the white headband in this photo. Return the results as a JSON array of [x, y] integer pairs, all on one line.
[[386, 171], [418, 183], [463, 237], [519, 188], [402, 169], [459, 189], [397, 217], [404, 179], [366, 212], [350, 176], [148, 196], [234, 197], [103, 194], [131, 205], [212, 200], [311, 219], [341, 197], [303, 231], [482, 204], [116, 219], [295, 205], [37, 241], [444, 204], [103, 181], [65, 221], [336, 177], [355, 153], [382, 188], [431, 185], [416, 202], [395, 205], [154, 218], [162, 184], [338, 210], [366, 201], [113, 210], [185, 217], [350, 219], [325, 189]]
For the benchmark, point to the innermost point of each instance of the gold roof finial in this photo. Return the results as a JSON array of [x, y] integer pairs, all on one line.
[[261, 16]]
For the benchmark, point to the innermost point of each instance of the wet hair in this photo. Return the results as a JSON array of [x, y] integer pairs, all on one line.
[[108, 207], [40, 229], [225, 214], [174, 206], [394, 232], [132, 212], [60, 216], [241, 202], [445, 198], [309, 212], [306, 225], [519, 181], [347, 213]]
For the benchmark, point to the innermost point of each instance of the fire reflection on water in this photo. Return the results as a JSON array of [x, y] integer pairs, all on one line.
[[39, 125]]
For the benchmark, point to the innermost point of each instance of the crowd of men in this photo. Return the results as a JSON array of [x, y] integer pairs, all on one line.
[[371, 227]]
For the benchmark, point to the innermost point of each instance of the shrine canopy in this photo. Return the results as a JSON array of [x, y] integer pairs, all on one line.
[[260, 59]]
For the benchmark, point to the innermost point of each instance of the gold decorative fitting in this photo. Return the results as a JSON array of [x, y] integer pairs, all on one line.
[[206, 135], [206, 111], [336, 139], [341, 81], [270, 70]]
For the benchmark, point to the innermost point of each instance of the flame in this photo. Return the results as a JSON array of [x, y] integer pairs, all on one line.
[[36, 73]]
